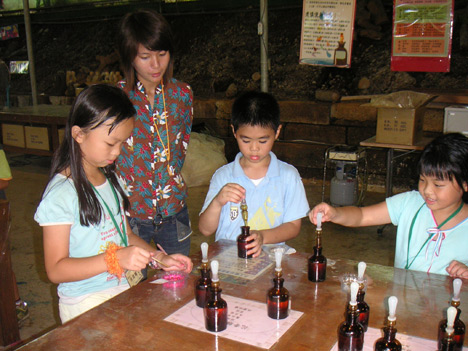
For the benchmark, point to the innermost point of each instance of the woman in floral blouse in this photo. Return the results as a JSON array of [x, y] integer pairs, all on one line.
[[152, 159]]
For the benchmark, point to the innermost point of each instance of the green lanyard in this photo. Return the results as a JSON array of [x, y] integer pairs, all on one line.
[[123, 235], [430, 237]]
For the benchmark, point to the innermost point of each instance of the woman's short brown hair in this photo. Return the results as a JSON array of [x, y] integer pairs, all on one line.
[[150, 29]]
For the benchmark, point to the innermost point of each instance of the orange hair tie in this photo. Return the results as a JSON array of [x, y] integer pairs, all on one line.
[[112, 261]]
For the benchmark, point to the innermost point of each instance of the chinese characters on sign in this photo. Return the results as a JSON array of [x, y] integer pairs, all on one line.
[[422, 35], [9, 32], [327, 32]]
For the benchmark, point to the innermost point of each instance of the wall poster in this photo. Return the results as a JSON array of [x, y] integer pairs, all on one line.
[[422, 35], [327, 32]]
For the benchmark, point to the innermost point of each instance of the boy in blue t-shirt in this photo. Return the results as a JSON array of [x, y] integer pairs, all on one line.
[[273, 189]]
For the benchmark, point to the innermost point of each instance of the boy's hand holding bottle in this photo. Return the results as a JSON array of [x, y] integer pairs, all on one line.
[[255, 243]]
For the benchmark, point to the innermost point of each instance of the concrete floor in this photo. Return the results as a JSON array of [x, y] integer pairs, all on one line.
[[30, 177]]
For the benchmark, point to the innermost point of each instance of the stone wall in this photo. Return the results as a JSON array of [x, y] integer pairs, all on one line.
[[309, 128]]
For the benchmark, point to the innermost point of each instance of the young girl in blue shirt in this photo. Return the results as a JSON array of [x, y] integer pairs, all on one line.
[[89, 248], [432, 233]]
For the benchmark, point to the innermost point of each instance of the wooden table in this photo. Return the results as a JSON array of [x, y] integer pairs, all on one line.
[[390, 156], [134, 319], [51, 116]]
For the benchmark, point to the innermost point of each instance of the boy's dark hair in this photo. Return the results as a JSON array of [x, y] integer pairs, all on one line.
[[256, 108], [150, 29], [446, 157], [94, 106]]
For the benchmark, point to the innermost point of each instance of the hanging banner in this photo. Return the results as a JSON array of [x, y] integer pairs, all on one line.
[[9, 32], [422, 35], [327, 32]]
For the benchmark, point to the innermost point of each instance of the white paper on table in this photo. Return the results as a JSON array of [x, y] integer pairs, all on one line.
[[408, 342], [248, 321]]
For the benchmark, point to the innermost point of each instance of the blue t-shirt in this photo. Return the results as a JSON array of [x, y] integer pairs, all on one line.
[[433, 256], [279, 198], [59, 206]]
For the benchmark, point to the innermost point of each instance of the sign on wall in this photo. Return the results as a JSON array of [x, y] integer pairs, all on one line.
[[422, 35], [9, 32], [327, 32]]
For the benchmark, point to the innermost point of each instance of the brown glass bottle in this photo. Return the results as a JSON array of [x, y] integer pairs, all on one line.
[[388, 342], [362, 308], [242, 242], [458, 336], [278, 299], [350, 332], [447, 344], [203, 286], [317, 262], [216, 309]]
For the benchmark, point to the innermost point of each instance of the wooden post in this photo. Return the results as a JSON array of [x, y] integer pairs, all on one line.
[[8, 322]]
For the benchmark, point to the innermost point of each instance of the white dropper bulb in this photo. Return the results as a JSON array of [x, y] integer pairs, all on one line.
[[204, 251], [457, 284], [319, 220], [361, 268], [354, 290], [278, 258], [214, 271], [451, 314], [392, 303]]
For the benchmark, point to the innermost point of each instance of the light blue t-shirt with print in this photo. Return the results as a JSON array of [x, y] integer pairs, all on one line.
[[432, 256], [279, 198], [59, 206]]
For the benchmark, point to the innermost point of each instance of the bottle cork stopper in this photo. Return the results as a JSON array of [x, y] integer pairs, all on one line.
[[361, 270], [204, 251], [392, 304], [214, 271], [451, 314], [457, 284], [319, 220], [354, 290]]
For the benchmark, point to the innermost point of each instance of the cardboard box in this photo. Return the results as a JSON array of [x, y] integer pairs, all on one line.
[[37, 138], [402, 126], [13, 135], [61, 134]]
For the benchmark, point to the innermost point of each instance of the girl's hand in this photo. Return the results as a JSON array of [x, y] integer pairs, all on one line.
[[328, 213], [231, 192], [457, 270], [133, 258], [176, 262], [255, 243]]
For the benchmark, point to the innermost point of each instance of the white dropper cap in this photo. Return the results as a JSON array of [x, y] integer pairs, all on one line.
[[361, 268], [392, 303], [204, 251], [214, 271], [319, 220], [451, 314], [278, 258], [354, 290], [457, 284]]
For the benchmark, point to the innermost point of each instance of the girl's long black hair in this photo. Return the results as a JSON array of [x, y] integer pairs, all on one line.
[[446, 157], [92, 107]]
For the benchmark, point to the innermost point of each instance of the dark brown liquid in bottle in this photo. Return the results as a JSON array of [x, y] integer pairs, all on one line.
[[278, 300], [350, 332], [458, 336], [388, 341], [363, 310], [242, 242], [203, 287], [317, 266], [215, 312]]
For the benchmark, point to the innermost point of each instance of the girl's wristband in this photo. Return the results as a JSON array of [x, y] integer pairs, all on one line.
[[112, 262]]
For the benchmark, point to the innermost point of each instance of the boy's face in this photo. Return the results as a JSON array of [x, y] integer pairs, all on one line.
[[255, 142]]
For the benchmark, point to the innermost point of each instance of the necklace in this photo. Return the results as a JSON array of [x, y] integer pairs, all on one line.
[[123, 235], [167, 149], [408, 265]]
